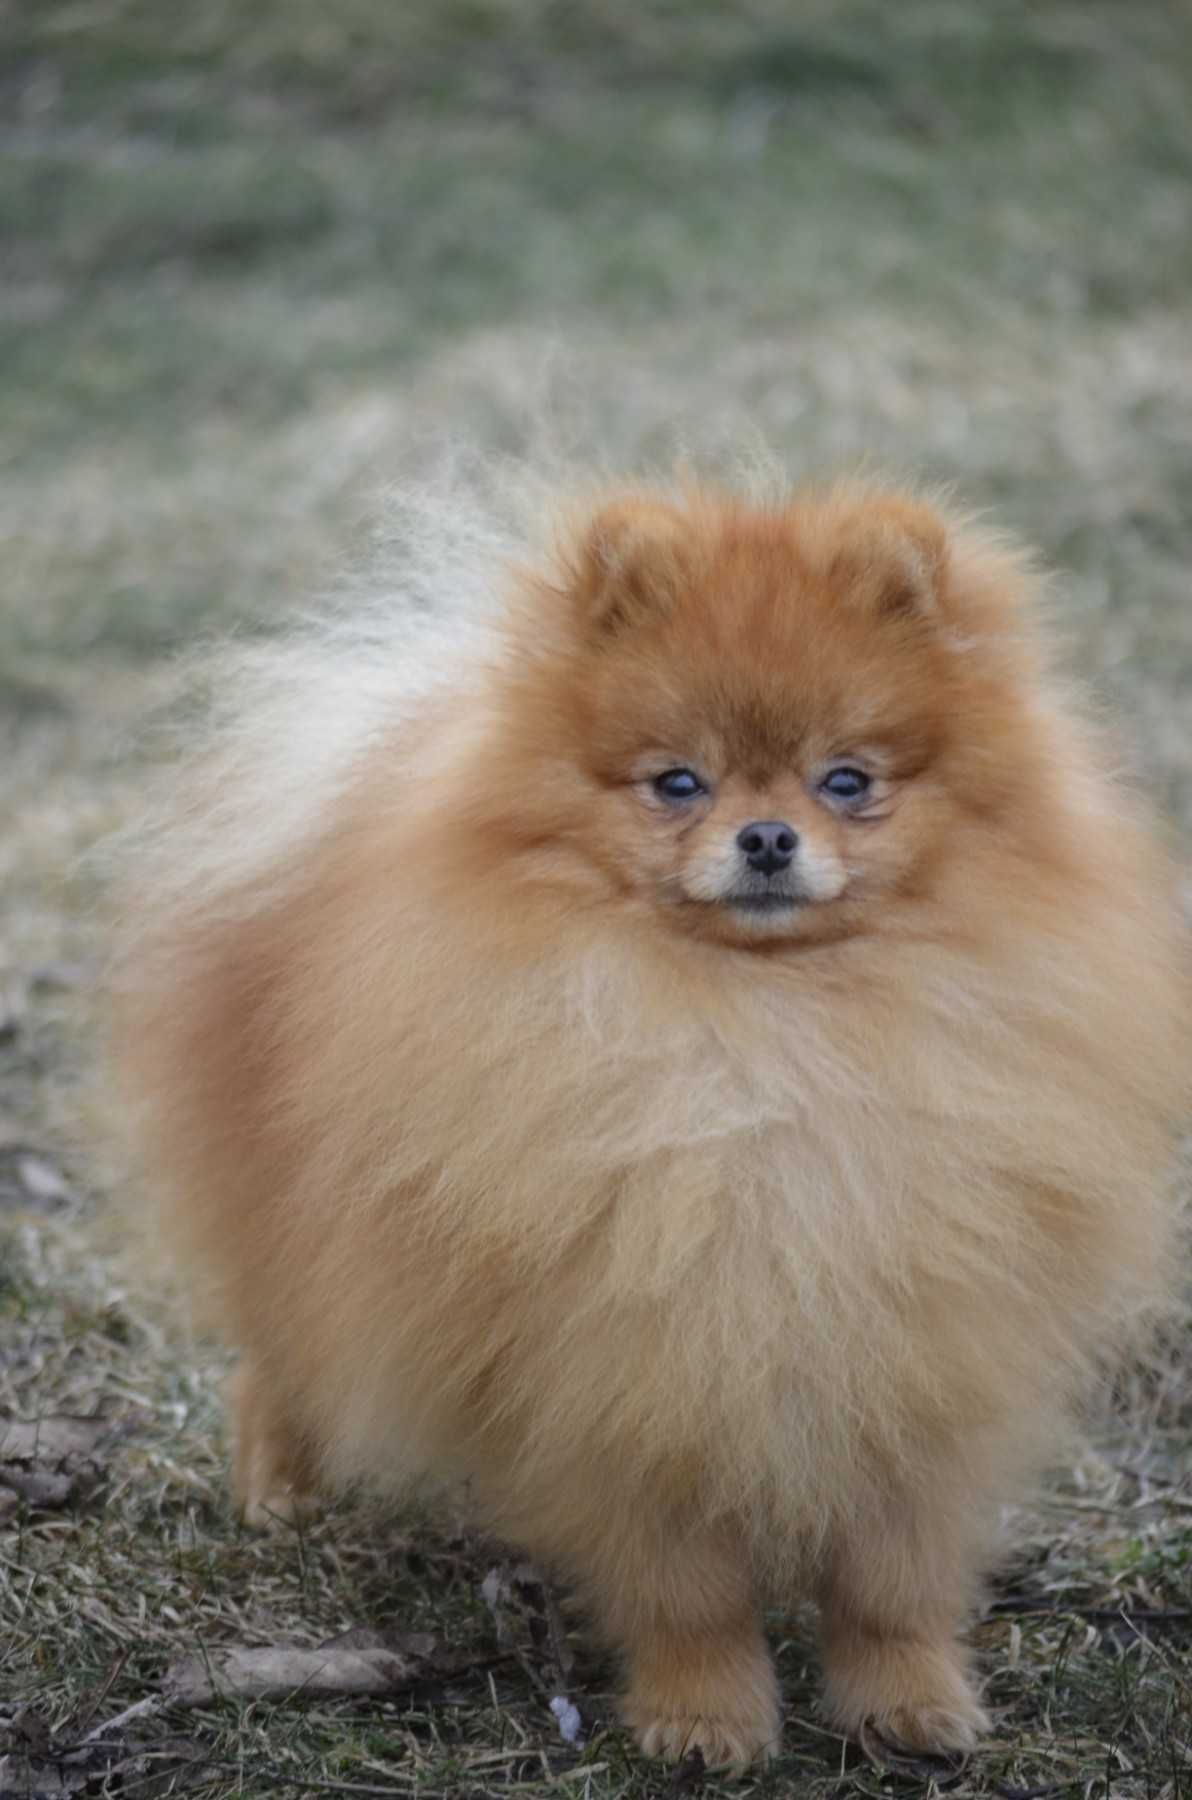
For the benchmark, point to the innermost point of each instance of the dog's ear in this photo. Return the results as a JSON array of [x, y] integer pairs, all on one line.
[[896, 559], [631, 564], [916, 546]]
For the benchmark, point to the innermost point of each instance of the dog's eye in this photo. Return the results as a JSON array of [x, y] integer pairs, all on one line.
[[678, 784], [846, 783]]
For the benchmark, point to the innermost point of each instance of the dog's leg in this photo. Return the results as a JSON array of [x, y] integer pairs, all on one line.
[[273, 1473], [895, 1587], [700, 1677]]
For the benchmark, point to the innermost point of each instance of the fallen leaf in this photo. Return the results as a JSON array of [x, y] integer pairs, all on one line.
[[26, 1778], [49, 1462], [51, 1770], [39, 1487], [59, 1438], [287, 1673]]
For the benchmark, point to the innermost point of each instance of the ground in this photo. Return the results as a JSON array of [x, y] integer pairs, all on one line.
[[262, 262]]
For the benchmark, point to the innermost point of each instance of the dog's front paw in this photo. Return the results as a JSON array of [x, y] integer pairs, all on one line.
[[723, 1743], [726, 1708], [281, 1506], [912, 1697]]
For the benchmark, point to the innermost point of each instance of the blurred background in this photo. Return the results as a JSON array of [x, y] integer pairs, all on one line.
[[255, 250], [261, 259]]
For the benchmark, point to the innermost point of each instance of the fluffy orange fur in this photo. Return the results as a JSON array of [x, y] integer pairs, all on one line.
[[728, 1228]]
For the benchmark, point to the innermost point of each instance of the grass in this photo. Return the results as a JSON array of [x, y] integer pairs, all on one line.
[[259, 261]]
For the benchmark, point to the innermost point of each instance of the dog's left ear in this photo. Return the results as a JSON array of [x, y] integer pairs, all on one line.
[[917, 543], [900, 564], [630, 564]]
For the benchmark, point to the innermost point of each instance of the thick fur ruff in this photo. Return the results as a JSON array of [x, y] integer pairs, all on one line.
[[715, 1256]]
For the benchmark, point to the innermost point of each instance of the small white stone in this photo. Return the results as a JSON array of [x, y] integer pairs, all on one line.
[[570, 1724]]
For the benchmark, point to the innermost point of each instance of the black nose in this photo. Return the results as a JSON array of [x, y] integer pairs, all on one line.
[[768, 845]]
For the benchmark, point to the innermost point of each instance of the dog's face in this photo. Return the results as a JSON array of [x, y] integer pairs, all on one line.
[[776, 716]]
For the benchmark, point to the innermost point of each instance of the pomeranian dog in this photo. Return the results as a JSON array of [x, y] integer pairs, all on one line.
[[693, 1056]]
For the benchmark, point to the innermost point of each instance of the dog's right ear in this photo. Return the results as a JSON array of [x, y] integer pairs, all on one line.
[[630, 564]]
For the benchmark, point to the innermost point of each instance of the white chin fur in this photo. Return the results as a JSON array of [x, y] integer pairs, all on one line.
[[768, 921]]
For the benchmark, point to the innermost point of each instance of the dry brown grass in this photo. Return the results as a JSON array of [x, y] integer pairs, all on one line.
[[256, 266]]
